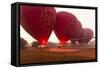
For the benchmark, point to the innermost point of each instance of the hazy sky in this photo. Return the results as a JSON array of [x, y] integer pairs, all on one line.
[[85, 16]]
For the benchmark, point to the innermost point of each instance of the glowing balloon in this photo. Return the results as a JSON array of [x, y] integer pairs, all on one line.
[[86, 35], [65, 27], [38, 21]]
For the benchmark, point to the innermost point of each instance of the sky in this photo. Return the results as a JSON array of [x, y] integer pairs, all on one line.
[[85, 16]]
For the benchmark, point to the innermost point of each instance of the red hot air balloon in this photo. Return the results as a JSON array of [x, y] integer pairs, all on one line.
[[65, 26], [86, 35], [38, 21], [77, 32]]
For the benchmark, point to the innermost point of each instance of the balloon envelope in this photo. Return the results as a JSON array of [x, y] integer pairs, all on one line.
[[38, 21], [77, 32], [86, 35], [65, 26]]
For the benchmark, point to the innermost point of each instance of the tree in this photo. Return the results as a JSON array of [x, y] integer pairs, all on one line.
[[23, 43], [35, 44]]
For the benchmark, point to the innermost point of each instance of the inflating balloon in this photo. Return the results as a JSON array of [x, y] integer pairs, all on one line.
[[65, 27], [86, 35], [38, 21]]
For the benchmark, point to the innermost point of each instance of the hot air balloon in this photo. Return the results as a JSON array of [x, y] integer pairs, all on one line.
[[38, 21], [77, 32], [85, 36], [65, 27]]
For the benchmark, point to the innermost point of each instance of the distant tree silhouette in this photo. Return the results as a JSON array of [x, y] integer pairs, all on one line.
[[35, 44], [23, 43]]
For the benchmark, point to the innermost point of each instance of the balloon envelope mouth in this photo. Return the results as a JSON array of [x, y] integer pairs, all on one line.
[[43, 42], [62, 42]]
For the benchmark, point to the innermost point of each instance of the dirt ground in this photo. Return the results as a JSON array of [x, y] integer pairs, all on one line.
[[38, 55]]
